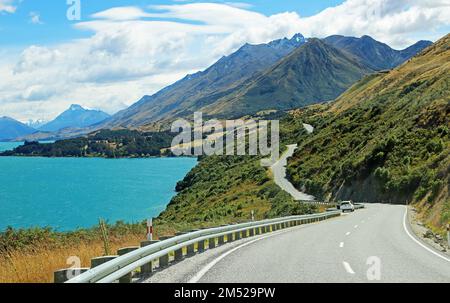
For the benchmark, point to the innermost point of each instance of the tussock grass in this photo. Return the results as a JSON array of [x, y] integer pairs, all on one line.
[[36, 264]]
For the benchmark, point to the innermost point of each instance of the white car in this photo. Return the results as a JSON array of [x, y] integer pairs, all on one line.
[[347, 206]]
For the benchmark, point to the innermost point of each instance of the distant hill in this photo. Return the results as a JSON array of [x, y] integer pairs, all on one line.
[[75, 117], [11, 129], [377, 55]]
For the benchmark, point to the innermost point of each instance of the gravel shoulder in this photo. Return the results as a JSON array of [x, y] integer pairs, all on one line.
[[425, 234]]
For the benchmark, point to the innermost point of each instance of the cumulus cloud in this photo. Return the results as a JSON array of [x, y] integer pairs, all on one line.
[[134, 51]]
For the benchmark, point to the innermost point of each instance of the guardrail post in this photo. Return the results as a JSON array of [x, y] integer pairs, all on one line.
[[257, 230], [164, 260], [212, 243], [251, 232], [178, 254], [201, 246], [244, 234], [63, 275], [147, 268], [448, 235], [221, 240], [230, 237], [100, 260], [122, 251], [190, 249], [237, 235]]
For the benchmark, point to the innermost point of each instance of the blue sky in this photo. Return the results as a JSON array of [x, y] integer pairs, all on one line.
[[18, 30], [121, 50]]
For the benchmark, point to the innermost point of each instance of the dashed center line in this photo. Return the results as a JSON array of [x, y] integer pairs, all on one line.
[[348, 268], [341, 244], [348, 233], [356, 226]]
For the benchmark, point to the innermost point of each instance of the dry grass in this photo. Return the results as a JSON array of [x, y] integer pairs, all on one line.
[[37, 266]]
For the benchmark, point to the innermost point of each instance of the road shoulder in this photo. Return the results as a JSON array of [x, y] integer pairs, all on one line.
[[425, 235]]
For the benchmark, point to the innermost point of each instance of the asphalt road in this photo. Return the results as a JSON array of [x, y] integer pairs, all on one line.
[[369, 245], [279, 176]]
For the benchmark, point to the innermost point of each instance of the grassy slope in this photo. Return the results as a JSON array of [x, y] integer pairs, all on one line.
[[386, 139]]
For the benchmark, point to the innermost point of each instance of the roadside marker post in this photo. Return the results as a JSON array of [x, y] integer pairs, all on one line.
[[150, 229], [448, 235]]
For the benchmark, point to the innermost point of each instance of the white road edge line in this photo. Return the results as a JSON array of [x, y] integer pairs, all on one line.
[[348, 233], [210, 265], [341, 244], [417, 241], [348, 268]]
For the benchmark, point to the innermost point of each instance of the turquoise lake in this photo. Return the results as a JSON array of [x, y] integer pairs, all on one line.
[[68, 193]]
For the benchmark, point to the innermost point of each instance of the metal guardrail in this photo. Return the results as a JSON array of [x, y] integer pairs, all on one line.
[[124, 265]]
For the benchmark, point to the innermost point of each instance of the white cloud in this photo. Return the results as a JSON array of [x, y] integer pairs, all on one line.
[[133, 51], [35, 18], [121, 13], [7, 6]]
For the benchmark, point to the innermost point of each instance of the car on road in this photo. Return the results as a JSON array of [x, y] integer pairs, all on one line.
[[347, 206]]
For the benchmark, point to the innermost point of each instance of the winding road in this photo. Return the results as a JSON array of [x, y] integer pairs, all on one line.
[[279, 176], [279, 172], [374, 244]]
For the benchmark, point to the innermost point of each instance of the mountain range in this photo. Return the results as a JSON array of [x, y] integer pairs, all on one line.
[[282, 74], [68, 124]]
